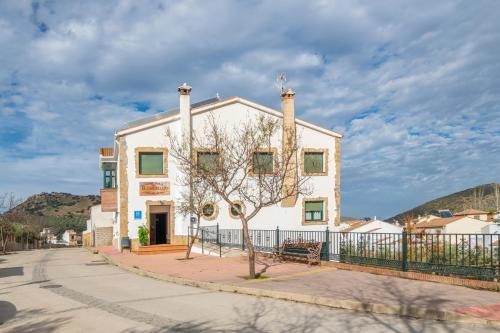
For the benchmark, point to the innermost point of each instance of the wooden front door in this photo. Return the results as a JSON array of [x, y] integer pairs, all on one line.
[[159, 224]]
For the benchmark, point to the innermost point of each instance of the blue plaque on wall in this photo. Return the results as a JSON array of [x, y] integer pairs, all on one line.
[[137, 214]]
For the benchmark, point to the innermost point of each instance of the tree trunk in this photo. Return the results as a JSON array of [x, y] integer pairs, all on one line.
[[191, 240], [249, 246], [2, 239]]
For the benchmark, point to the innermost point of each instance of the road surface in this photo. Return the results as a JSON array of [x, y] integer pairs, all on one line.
[[72, 290]]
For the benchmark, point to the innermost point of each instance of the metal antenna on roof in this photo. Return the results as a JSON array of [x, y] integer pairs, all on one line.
[[280, 81]]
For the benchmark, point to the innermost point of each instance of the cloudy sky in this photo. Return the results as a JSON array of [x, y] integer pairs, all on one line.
[[414, 88]]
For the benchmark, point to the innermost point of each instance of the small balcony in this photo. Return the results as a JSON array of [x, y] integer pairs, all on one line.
[[109, 200]]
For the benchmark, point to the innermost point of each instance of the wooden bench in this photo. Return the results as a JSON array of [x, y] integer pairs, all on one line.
[[301, 250]]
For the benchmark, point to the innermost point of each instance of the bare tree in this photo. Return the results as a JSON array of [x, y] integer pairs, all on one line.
[[496, 190], [193, 201], [408, 220], [234, 169]]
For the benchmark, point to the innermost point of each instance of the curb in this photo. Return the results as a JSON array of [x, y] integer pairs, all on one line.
[[378, 308]]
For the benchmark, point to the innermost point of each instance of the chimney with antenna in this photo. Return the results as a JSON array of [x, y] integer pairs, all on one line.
[[289, 147]]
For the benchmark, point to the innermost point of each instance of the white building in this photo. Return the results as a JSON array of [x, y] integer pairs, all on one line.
[[473, 213], [452, 225], [140, 174], [100, 227], [69, 237], [373, 226], [373, 235]]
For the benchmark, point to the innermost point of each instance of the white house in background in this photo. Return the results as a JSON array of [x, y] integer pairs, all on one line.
[[139, 174], [473, 213], [491, 228], [373, 235], [47, 235], [452, 225], [69, 237], [100, 227], [373, 226]]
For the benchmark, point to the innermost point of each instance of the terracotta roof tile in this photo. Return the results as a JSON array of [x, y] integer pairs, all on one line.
[[355, 225], [470, 212], [437, 223]]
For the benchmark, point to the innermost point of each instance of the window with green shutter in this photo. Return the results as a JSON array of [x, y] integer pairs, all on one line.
[[313, 162], [151, 163], [207, 161], [314, 210], [263, 163], [109, 175]]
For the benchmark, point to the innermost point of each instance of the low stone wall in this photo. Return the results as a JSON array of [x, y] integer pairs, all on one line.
[[103, 236]]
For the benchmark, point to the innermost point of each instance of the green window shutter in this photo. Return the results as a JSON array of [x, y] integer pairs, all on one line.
[[313, 162], [151, 163], [314, 210], [207, 161], [263, 162], [109, 175]]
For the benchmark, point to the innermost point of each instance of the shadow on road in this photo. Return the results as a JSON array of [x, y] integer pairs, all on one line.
[[259, 316], [32, 323], [11, 271], [7, 311]]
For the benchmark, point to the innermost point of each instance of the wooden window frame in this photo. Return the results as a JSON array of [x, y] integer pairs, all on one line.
[[271, 150], [139, 150], [214, 215], [205, 150], [243, 207], [314, 150], [325, 211]]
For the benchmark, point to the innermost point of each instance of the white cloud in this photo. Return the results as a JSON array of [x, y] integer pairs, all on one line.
[[413, 86]]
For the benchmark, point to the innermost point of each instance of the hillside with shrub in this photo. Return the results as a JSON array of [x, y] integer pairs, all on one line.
[[483, 197]]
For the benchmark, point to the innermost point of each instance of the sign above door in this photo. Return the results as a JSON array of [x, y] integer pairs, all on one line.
[[154, 188]]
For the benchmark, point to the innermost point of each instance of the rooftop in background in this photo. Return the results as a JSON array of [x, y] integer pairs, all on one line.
[[470, 212], [166, 114], [438, 223]]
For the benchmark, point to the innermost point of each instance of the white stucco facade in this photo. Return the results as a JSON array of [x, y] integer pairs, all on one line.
[[229, 112]]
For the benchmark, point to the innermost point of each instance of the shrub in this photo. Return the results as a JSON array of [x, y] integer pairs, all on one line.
[[143, 234]]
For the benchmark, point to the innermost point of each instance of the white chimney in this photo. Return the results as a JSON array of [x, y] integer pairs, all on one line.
[[185, 110]]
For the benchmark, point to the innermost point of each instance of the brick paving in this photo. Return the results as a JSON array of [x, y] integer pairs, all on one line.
[[320, 281]]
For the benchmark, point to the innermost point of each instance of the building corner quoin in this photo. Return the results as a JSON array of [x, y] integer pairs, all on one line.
[[337, 181], [123, 184]]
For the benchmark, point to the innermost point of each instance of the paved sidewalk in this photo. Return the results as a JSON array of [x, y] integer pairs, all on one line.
[[324, 282]]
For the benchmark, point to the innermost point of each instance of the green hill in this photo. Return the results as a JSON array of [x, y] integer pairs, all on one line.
[[59, 211], [484, 197]]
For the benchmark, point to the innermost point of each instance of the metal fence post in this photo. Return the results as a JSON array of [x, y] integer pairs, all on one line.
[[202, 240], [217, 232], [404, 237], [327, 238], [277, 238], [242, 240], [218, 241]]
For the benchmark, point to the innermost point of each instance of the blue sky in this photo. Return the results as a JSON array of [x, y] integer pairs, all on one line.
[[414, 87]]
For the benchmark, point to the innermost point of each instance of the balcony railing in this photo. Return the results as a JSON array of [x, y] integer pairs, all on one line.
[[109, 200]]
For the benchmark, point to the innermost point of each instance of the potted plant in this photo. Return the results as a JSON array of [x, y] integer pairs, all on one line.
[[143, 234]]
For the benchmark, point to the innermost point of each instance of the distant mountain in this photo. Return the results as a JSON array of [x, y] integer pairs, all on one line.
[[59, 211], [59, 204], [481, 197]]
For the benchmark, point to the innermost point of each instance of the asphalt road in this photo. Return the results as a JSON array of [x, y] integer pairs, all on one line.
[[71, 290]]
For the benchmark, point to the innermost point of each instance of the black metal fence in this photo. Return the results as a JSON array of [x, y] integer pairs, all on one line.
[[469, 255]]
